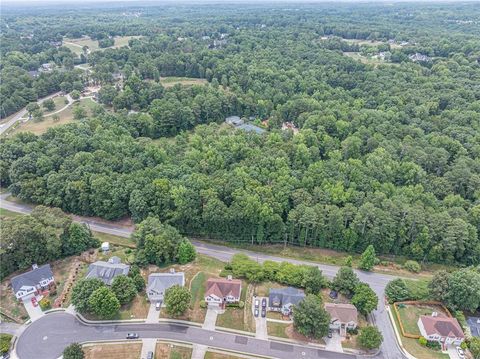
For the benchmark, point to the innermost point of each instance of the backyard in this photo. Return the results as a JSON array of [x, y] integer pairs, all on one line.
[[409, 315]]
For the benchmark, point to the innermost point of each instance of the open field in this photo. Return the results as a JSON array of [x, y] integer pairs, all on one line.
[[185, 81], [371, 43], [65, 117], [113, 351], [171, 351], [418, 351], [76, 45]]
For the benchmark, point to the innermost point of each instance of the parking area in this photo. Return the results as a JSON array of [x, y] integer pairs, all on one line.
[[259, 311], [34, 312]]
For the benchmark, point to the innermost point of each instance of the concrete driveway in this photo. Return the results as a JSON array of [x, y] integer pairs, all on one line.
[[452, 352], [148, 345], [153, 314], [334, 343], [33, 312], [211, 318], [260, 323]]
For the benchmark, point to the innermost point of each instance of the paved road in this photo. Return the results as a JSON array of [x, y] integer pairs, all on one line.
[[46, 338], [4, 127], [377, 281]]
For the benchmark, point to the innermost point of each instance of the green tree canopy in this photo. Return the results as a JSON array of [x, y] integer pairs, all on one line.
[[177, 300], [124, 289], [103, 303], [310, 318]]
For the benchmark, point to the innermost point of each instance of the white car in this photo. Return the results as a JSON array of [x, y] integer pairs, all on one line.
[[460, 352], [257, 303]]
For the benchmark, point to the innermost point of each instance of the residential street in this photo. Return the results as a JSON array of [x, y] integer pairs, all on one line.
[[46, 338], [377, 281]]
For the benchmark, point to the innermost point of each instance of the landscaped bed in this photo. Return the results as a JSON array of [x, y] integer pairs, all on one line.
[[113, 351]]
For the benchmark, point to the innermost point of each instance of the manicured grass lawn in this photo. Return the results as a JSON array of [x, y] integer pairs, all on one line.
[[277, 329], [136, 309], [76, 45], [238, 318], [412, 346], [275, 315], [113, 351], [171, 351], [7, 213], [59, 103], [185, 81], [121, 241], [263, 289]]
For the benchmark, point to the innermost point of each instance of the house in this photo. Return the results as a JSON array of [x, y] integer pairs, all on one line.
[[107, 271], [439, 328], [418, 57], [222, 291], [283, 299], [32, 282], [46, 67], [342, 317], [234, 120], [158, 283], [474, 325]]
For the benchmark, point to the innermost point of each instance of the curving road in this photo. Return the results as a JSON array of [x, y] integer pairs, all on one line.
[[377, 281], [46, 338]]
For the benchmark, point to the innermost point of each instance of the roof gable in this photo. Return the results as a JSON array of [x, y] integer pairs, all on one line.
[[160, 282], [223, 287], [31, 278]]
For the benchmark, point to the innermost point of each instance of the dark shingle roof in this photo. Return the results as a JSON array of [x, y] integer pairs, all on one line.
[[285, 296], [31, 278]]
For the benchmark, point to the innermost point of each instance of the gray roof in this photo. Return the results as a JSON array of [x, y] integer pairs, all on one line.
[[106, 271], [474, 324], [234, 120], [114, 260], [158, 283], [251, 128], [31, 278], [285, 296]]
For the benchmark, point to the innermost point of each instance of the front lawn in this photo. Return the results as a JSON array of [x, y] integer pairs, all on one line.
[[171, 351], [238, 318], [113, 351], [136, 309], [277, 329]]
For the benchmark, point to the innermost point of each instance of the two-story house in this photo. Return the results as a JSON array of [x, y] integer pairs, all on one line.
[[222, 291], [33, 282]]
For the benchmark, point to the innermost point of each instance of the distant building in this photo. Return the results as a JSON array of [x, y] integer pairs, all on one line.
[[33, 74], [418, 57], [240, 124], [342, 317], [158, 283], [222, 291], [444, 330], [31, 283], [284, 299], [107, 271], [47, 67]]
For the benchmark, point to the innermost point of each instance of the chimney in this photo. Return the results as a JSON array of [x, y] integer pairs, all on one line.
[[34, 266], [172, 270], [229, 277], [434, 314]]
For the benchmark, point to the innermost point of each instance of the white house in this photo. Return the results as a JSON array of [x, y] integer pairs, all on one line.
[[441, 329], [222, 291], [33, 282]]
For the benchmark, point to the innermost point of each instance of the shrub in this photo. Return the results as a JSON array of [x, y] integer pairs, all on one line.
[[45, 303], [370, 338], [433, 345], [203, 304], [352, 331], [412, 266], [422, 341], [5, 340], [241, 304]]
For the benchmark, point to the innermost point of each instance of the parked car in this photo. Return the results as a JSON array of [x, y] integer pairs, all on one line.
[[150, 355], [460, 352], [264, 303], [264, 313], [158, 305], [132, 336], [34, 302], [5, 356], [257, 303], [330, 333], [256, 312]]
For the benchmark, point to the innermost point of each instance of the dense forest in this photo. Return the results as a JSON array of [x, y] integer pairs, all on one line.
[[387, 154]]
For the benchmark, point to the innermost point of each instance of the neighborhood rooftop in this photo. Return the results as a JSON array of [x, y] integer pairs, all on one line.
[[31, 278], [106, 271], [443, 326], [158, 283], [223, 287], [345, 313], [285, 296]]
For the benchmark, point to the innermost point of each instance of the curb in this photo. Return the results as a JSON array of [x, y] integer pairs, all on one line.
[[235, 331]]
